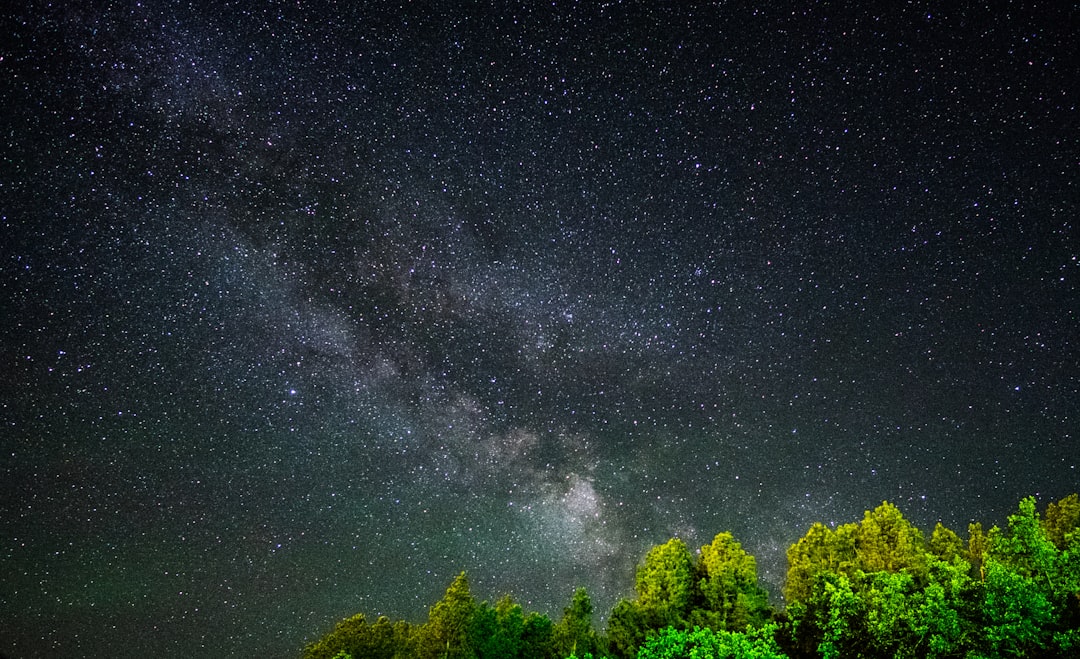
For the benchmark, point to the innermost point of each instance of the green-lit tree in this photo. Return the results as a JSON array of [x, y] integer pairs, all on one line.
[[343, 638], [574, 633], [728, 594], [945, 610], [1016, 614], [879, 589], [906, 620], [537, 637], [945, 544], [1025, 547], [831, 619], [483, 633], [496, 632], [355, 637], [665, 582], [446, 633], [821, 550], [887, 542], [976, 553], [1031, 588], [871, 589], [1062, 518], [511, 623], [703, 643], [628, 626]]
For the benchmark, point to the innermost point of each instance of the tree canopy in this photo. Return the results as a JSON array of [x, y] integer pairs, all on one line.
[[873, 588]]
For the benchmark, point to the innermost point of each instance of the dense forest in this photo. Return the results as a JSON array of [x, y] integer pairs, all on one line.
[[874, 588]]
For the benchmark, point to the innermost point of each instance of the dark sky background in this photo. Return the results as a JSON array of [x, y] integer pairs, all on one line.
[[308, 307]]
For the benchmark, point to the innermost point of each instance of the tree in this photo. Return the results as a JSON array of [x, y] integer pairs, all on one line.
[[355, 637], [1031, 600], [511, 623], [574, 633], [497, 632], [628, 627], [945, 544], [701, 643], [829, 621], [977, 543], [1017, 615], [727, 585], [871, 589], [888, 604], [820, 550], [888, 542], [446, 633], [946, 610], [905, 620], [536, 636], [665, 587], [483, 634], [1061, 519], [878, 587], [345, 637], [665, 581], [1025, 548]]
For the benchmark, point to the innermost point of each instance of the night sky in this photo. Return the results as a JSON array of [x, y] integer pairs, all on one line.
[[306, 308]]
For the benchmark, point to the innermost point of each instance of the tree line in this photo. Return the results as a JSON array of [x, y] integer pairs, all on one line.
[[874, 588]]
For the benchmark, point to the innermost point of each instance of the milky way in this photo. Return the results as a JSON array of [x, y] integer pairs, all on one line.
[[306, 309]]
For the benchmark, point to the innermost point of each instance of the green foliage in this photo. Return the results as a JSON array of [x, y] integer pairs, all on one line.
[[904, 620], [665, 587], [727, 586], [820, 550], [574, 632], [945, 544], [537, 636], [904, 598], [446, 633], [497, 632], [333, 644], [829, 619], [701, 643], [1032, 587], [895, 595], [720, 592], [628, 626], [888, 542], [1025, 548], [977, 545], [875, 588], [1061, 519], [354, 637], [1016, 612], [888, 604], [944, 608], [457, 627], [882, 541], [665, 581]]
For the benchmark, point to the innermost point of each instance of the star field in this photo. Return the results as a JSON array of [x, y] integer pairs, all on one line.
[[307, 307]]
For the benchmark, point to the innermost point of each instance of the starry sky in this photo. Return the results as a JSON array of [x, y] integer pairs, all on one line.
[[307, 307]]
